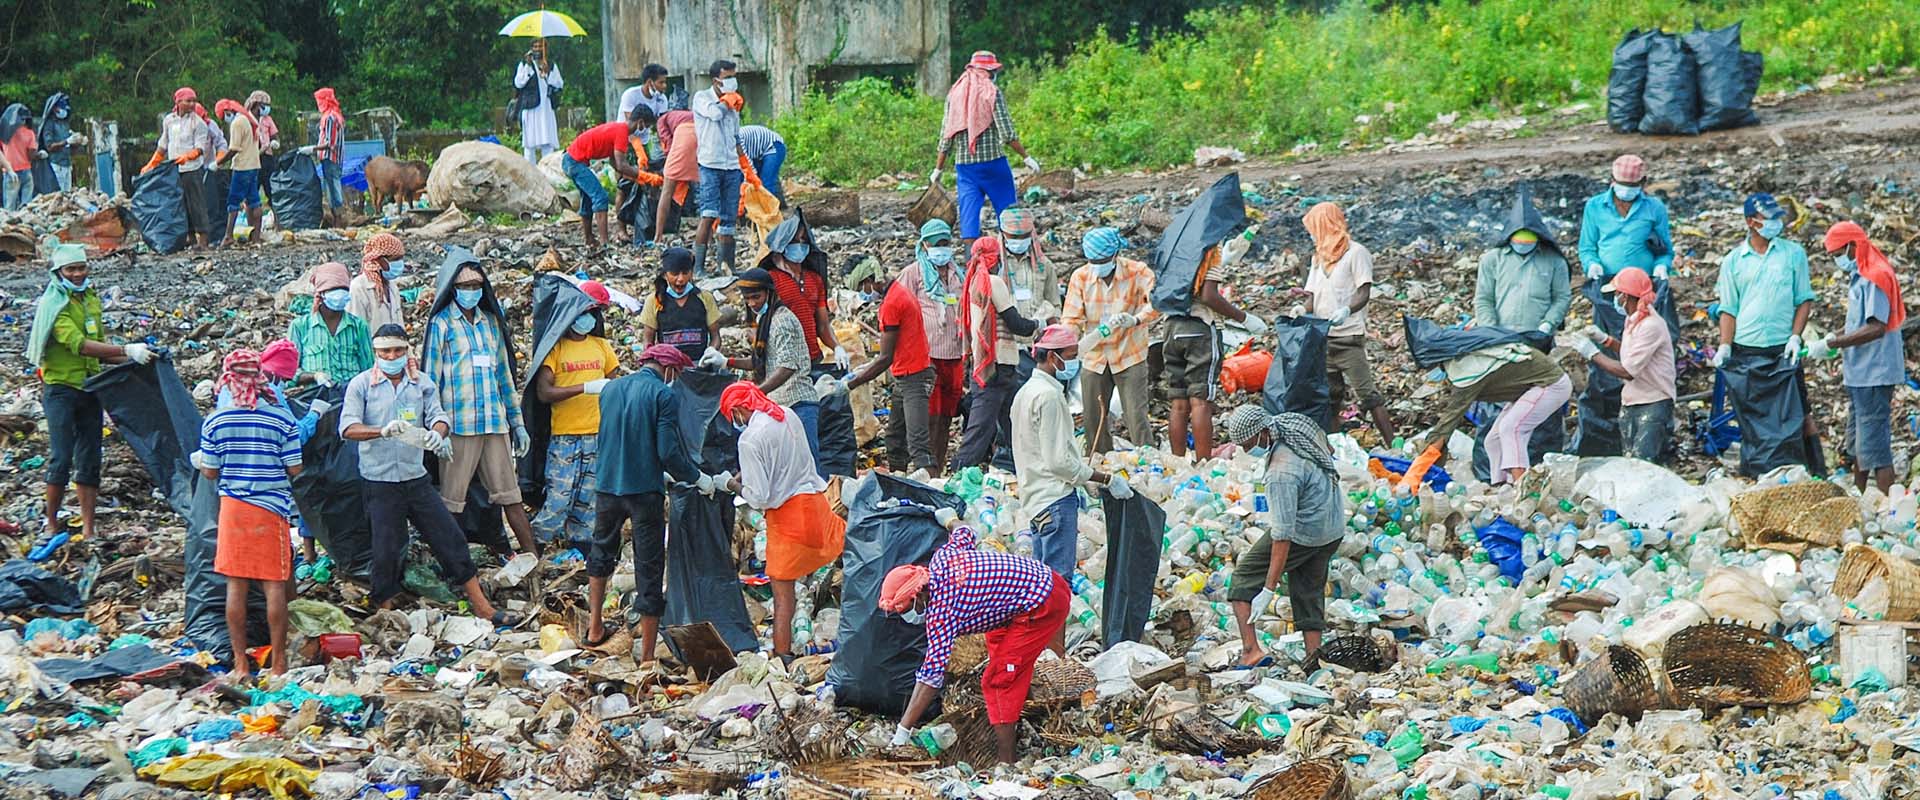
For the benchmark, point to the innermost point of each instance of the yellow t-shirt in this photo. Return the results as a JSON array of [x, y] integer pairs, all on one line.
[[574, 363]]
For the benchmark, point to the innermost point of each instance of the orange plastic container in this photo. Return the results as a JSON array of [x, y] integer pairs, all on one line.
[[1245, 370]]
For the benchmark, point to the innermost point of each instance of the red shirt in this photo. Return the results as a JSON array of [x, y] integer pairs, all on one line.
[[804, 296], [900, 311], [599, 141]]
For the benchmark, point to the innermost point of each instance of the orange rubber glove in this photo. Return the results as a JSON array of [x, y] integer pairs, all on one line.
[[192, 155], [746, 171], [158, 157], [644, 178], [733, 100]]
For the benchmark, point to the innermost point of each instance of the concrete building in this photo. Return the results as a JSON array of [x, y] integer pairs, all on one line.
[[781, 45]]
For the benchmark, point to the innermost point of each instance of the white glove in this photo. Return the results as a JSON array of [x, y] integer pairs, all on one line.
[[1340, 315], [829, 385], [1817, 347], [323, 379], [39, 155], [1586, 348], [1254, 324], [1546, 327], [138, 353], [1033, 164], [1595, 272], [842, 358], [705, 484], [1117, 486], [1793, 349], [521, 441], [933, 178], [1661, 272], [394, 428], [947, 517], [1262, 604], [320, 407], [1232, 249], [1593, 332], [901, 734], [594, 386], [713, 359], [724, 481], [1720, 355], [1121, 320], [432, 440], [197, 459], [305, 151]]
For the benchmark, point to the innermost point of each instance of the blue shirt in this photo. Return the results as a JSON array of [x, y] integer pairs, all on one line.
[[375, 400], [468, 361], [1762, 291], [1883, 361], [252, 448], [640, 436], [1616, 242]]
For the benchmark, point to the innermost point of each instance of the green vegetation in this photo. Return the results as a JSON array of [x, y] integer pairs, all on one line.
[[1265, 79]]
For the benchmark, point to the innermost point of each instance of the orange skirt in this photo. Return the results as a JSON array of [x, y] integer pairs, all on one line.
[[253, 543], [683, 161], [803, 535]]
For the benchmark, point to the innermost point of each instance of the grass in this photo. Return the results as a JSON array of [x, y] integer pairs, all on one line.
[[1265, 79]]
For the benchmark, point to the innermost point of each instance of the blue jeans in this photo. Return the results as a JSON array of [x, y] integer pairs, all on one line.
[[978, 183], [1056, 535], [768, 168], [1872, 425], [810, 420], [19, 189], [243, 190], [593, 196], [720, 197], [330, 178]]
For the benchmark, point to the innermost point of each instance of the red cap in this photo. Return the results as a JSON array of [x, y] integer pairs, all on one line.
[[984, 59], [597, 291]]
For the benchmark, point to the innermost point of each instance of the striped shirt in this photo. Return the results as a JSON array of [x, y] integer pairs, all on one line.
[[1091, 299], [975, 591], [468, 362], [991, 146], [332, 136], [252, 448], [341, 353]]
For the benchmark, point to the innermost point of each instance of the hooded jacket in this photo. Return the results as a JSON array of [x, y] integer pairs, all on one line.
[[56, 130], [443, 293], [1522, 292]]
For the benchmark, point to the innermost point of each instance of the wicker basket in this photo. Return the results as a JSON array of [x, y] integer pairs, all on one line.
[[1760, 514], [1822, 524], [1357, 653], [1861, 564], [1197, 733], [872, 780], [969, 652], [1319, 779], [1056, 683], [934, 203], [1617, 682], [1716, 665]]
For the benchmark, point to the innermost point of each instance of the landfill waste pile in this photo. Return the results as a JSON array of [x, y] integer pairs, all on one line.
[[1605, 629]]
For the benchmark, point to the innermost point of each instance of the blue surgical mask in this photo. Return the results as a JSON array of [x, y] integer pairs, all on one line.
[[1845, 264], [467, 298], [227, 118], [1626, 194], [869, 297], [796, 252], [1772, 228], [912, 616], [60, 113], [392, 366], [266, 111], [1619, 307], [1019, 247], [1524, 248], [1257, 452], [336, 299], [583, 324], [74, 287], [395, 269], [1105, 268], [761, 310], [940, 256], [1069, 369], [680, 292]]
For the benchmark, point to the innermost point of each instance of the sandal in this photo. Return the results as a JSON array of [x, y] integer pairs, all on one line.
[[1264, 662], [590, 643], [47, 545], [502, 619]]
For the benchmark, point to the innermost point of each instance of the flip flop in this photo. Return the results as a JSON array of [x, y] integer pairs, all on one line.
[[605, 634], [1265, 661], [47, 546]]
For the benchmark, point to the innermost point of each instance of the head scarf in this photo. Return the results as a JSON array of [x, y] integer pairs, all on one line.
[[1874, 266], [389, 335], [324, 100], [260, 96], [1303, 436], [329, 276], [383, 245], [979, 295], [902, 584], [1634, 282], [52, 301], [1101, 244], [225, 105], [745, 394], [1328, 226], [240, 375], [280, 360], [184, 94], [970, 106], [201, 111], [1054, 337], [1019, 222], [931, 281], [666, 355]]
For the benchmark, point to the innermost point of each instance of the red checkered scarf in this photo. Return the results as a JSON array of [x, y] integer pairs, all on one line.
[[384, 245], [240, 375], [979, 294]]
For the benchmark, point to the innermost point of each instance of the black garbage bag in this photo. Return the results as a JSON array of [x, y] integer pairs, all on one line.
[[1598, 431], [640, 207], [1134, 529], [158, 206], [1672, 98], [703, 582], [1217, 213], [154, 412], [889, 523], [206, 590], [217, 181], [839, 449], [1627, 82], [1432, 344], [1767, 399], [1727, 77], [556, 304], [26, 586], [294, 188], [1297, 381], [331, 495], [710, 439]]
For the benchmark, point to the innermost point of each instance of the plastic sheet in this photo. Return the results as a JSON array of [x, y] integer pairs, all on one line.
[[157, 205], [1134, 527], [216, 774], [1297, 380], [156, 417], [1213, 216], [331, 495]]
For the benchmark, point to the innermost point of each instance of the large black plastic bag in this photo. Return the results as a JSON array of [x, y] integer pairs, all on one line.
[[158, 206], [1432, 344], [709, 438], [883, 532], [1135, 527], [1765, 391], [154, 412], [329, 491], [1216, 214], [1297, 381], [703, 582], [1627, 82], [839, 448], [295, 190], [206, 590], [217, 182], [1727, 78], [1673, 90]]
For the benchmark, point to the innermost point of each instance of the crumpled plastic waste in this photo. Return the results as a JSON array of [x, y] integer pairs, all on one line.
[[210, 772]]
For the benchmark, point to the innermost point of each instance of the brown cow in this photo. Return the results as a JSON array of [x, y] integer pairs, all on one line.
[[390, 179]]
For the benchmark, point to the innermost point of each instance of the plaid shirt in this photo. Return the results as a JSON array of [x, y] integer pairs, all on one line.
[[468, 361], [341, 354], [975, 591], [1091, 300], [991, 146]]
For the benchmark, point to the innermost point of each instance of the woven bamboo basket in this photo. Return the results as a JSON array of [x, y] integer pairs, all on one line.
[[1617, 682], [934, 203], [1196, 732], [969, 652], [1716, 665], [1056, 683], [1759, 512], [1319, 779], [1357, 653], [1823, 524], [847, 780], [1860, 564]]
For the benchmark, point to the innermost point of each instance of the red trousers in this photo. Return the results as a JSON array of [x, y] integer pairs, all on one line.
[[1012, 649]]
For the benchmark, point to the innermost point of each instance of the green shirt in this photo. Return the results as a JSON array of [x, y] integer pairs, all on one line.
[[1763, 292], [77, 323], [341, 354]]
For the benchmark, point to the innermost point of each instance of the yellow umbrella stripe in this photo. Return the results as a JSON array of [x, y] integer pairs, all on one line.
[[541, 24]]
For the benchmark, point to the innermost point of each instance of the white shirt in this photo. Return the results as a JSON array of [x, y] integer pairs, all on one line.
[[718, 129], [362, 303], [636, 96], [181, 134], [538, 127], [775, 461], [1045, 459], [1333, 289]]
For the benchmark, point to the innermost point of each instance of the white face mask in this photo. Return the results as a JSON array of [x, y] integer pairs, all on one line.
[[729, 84], [1020, 246]]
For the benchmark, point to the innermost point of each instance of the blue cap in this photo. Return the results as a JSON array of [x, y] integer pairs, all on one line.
[[1761, 204]]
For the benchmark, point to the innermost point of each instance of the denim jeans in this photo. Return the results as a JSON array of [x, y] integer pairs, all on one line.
[[1872, 425], [330, 178], [593, 196], [810, 421], [1643, 430], [720, 197], [768, 168], [1056, 535]]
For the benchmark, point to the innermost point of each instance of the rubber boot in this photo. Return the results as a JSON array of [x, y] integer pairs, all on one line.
[[726, 254], [699, 260]]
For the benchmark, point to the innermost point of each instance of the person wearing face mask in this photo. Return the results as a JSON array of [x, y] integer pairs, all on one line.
[[537, 83], [1340, 281], [267, 133], [613, 141], [992, 327], [975, 133], [53, 164], [1110, 303], [1645, 364], [334, 343], [716, 123], [1766, 295], [1303, 533], [799, 271], [469, 355], [1623, 226], [680, 313], [184, 138], [1046, 461], [384, 410], [778, 478], [67, 344], [651, 92], [569, 382], [1871, 347], [1524, 285], [779, 361], [935, 281], [242, 156], [18, 146], [375, 297], [903, 354]]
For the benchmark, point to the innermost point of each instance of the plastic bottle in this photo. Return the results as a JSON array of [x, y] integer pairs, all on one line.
[[936, 739]]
